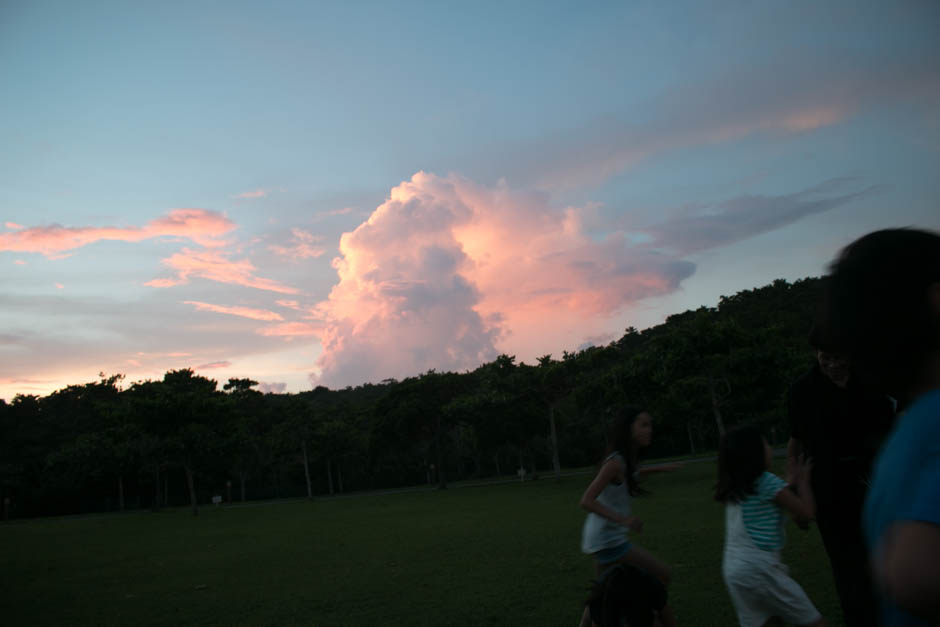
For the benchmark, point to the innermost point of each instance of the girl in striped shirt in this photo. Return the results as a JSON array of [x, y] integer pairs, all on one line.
[[762, 591]]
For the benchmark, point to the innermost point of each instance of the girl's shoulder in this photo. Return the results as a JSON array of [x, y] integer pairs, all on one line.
[[768, 485], [616, 457]]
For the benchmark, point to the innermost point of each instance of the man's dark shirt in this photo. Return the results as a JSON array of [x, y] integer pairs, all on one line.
[[841, 429]]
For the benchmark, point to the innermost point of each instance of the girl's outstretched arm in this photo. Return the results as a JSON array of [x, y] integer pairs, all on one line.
[[612, 469], [646, 470]]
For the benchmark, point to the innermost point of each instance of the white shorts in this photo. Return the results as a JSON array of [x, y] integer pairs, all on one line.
[[760, 592]]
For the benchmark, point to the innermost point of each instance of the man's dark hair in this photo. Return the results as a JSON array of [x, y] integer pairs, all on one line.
[[876, 304], [741, 461]]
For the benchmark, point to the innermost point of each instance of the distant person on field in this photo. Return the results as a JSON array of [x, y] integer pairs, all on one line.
[[883, 301], [608, 501], [840, 423], [762, 591]]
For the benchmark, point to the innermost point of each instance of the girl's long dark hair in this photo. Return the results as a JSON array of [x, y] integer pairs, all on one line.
[[741, 462], [620, 440]]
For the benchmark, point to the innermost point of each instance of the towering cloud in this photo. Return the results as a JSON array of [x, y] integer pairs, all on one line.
[[446, 270]]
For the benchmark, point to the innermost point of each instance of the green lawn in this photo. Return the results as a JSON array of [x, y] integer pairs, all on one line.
[[494, 555]]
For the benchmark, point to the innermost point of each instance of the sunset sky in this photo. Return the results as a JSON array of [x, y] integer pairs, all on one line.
[[324, 193]]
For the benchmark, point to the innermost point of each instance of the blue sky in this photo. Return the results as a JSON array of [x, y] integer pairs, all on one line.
[[518, 177]]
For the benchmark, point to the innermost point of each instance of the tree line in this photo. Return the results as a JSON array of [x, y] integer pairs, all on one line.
[[180, 440]]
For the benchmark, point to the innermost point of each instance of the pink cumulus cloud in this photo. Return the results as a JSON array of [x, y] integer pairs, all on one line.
[[13, 225], [201, 226], [20, 262], [244, 312], [446, 273], [302, 246], [216, 266]]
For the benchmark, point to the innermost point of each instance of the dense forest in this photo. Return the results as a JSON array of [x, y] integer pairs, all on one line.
[[108, 445]]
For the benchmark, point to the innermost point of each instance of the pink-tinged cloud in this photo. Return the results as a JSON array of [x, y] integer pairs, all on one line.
[[289, 304], [215, 365], [59, 286], [291, 330], [20, 262], [201, 226], [216, 266], [302, 246], [272, 388], [13, 225], [258, 193], [796, 95], [244, 312], [446, 273]]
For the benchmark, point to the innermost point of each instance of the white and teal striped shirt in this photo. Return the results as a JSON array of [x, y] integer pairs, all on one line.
[[763, 518]]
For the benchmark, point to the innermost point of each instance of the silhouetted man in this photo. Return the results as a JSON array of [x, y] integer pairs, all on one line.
[[840, 423]]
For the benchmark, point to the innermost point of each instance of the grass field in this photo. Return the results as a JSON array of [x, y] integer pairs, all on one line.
[[493, 555]]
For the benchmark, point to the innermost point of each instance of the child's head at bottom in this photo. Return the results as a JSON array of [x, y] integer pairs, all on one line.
[[625, 595]]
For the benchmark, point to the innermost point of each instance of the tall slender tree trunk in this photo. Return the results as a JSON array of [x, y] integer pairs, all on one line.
[[303, 446], [192, 490], [496, 459], [339, 478], [241, 477], [688, 426], [714, 395], [121, 492], [556, 463], [156, 489], [166, 489], [329, 475], [441, 477]]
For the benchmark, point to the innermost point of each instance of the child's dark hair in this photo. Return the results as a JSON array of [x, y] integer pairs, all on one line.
[[741, 462], [626, 593], [620, 440]]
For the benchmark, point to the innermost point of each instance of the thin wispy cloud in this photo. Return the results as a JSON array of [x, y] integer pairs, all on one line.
[[201, 226], [260, 192], [215, 266], [215, 365], [291, 330], [243, 312], [787, 97], [303, 245], [739, 218], [13, 225]]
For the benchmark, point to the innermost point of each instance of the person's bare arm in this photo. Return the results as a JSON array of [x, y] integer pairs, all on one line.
[[646, 470], [907, 567], [612, 469]]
